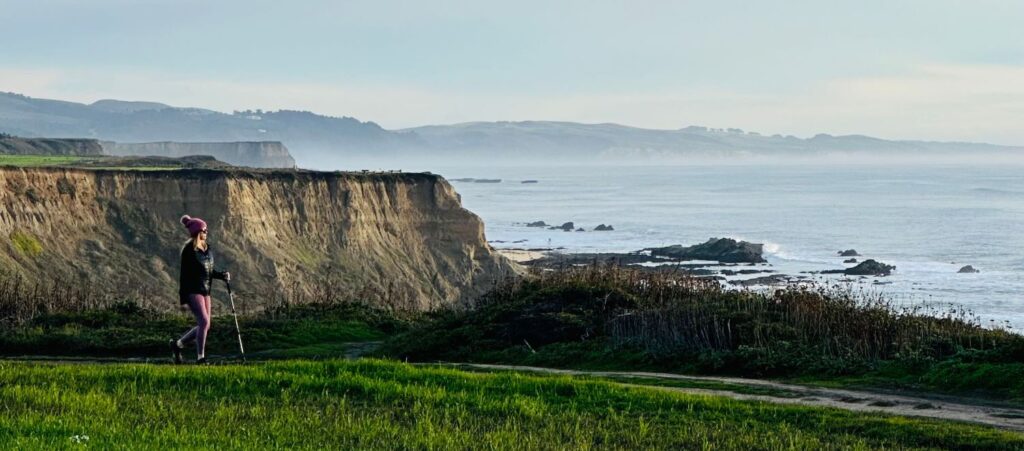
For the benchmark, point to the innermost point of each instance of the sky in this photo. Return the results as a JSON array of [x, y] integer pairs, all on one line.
[[899, 69]]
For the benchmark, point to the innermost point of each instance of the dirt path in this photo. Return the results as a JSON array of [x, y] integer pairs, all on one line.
[[945, 408]]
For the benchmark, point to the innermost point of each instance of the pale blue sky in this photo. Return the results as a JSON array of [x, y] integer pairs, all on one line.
[[945, 70]]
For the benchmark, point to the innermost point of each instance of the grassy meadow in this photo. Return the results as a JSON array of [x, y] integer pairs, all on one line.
[[368, 404], [42, 160], [297, 394]]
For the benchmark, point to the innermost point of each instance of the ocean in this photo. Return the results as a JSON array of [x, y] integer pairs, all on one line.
[[928, 221]]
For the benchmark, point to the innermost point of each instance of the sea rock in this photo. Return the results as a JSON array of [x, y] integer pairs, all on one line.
[[604, 228], [581, 229], [730, 272], [537, 224], [868, 267], [772, 280], [848, 253], [724, 250], [850, 260], [567, 227], [528, 181], [968, 270]]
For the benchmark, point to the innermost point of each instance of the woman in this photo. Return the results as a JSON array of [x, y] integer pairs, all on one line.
[[197, 274]]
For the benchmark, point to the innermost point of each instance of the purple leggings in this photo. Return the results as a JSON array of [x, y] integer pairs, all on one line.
[[200, 306]]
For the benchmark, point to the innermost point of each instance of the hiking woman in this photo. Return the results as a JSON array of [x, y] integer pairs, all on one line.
[[197, 274]]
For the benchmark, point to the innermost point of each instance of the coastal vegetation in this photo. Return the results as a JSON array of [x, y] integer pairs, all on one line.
[[593, 317], [610, 317], [370, 404], [111, 162]]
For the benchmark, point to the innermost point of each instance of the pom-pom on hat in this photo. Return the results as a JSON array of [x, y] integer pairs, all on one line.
[[194, 225]]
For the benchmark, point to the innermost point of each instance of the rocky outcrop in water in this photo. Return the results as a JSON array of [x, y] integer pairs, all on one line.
[[604, 228], [388, 237], [968, 270], [868, 267], [725, 250], [565, 227], [848, 253], [256, 154]]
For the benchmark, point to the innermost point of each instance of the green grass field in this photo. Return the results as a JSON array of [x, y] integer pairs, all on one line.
[[90, 162], [385, 405], [40, 160]]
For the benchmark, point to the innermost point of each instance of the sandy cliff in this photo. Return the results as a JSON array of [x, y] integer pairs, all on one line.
[[402, 236], [256, 154]]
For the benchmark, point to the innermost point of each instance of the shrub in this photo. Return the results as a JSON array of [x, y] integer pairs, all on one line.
[[26, 244]]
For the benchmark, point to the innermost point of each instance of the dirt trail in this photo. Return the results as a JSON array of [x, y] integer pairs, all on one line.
[[944, 408]]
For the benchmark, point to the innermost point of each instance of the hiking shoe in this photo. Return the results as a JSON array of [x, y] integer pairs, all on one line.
[[175, 351]]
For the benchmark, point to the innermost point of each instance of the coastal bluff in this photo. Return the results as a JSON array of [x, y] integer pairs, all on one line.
[[255, 154], [12, 145], [387, 237]]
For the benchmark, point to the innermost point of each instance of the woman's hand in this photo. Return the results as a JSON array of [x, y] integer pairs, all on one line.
[[227, 276]]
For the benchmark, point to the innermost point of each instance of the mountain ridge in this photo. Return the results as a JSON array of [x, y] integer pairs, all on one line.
[[323, 141]]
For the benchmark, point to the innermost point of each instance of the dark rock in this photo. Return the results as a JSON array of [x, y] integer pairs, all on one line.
[[487, 181], [850, 260], [724, 250], [774, 279], [868, 267], [730, 272], [604, 228], [567, 227], [528, 181], [537, 224], [556, 260], [581, 229], [968, 270], [848, 253]]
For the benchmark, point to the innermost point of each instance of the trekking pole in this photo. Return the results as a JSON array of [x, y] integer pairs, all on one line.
[[238, 331]]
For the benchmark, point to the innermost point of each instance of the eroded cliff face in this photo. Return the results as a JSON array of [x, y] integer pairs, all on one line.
[[256, 154], [404, 237], [50, 146]]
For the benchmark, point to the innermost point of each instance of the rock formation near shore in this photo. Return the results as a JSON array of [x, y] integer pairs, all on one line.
[[403, 238], [725, 250], [867, 267], [256, 154]]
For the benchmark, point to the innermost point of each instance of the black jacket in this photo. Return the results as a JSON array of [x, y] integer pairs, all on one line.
[[197, 272]]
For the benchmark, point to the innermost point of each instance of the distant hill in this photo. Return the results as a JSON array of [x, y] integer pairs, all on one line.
[[318, 137], [318, 141], [614, 142]]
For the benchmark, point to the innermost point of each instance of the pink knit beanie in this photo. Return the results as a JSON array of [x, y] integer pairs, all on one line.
[[194, 225]]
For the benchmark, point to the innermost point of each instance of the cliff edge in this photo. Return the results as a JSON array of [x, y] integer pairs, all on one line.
[[255, 154], [11, 145], [389, 237]]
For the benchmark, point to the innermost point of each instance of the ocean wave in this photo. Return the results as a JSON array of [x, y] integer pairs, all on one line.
[[1004, 192]]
